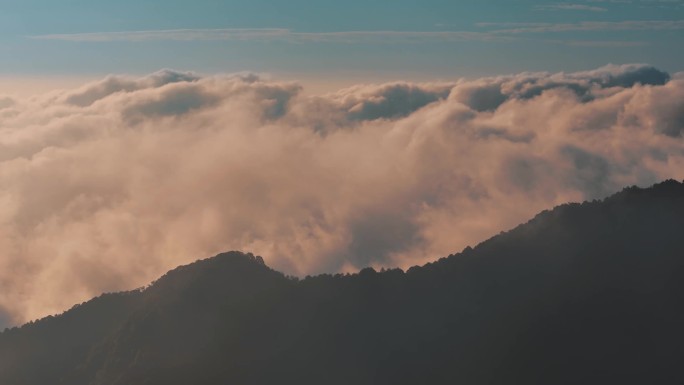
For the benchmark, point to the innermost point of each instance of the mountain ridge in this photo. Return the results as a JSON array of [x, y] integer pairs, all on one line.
[[574, 275]]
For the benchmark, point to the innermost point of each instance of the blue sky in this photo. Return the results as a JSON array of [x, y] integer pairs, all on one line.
[[335, 39]]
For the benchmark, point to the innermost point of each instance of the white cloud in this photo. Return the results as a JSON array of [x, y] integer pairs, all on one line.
[[107, 186]]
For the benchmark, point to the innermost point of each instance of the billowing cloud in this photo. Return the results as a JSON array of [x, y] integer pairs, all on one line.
[[106, 187], [91, 93], [489, 93]]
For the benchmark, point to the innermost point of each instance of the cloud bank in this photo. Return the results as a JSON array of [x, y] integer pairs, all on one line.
[[106, 187]]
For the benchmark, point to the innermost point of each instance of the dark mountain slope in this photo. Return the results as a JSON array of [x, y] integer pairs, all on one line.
[[586, 293]]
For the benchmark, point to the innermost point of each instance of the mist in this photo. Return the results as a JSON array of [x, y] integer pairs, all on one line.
[[107, 186]]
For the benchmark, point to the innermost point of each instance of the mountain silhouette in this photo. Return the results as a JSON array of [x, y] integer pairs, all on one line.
[[589, 293]]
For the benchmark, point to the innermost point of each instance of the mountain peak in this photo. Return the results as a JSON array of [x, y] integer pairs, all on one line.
[[239, 257], [224, 261], [230, 271], [669, 187]]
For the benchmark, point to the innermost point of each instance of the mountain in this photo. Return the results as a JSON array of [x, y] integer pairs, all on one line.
[[589, 293]]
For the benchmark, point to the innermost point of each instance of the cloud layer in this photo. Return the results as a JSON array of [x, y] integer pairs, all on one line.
[[106, 187]]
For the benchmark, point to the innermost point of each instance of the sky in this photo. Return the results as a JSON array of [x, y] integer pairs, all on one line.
[[324, 136], [358, 40]]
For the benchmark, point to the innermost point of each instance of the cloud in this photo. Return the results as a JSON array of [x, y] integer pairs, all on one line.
[[627, 25], [91, 93], [661, 4], [366, 103], [569, 7], [273, 34], [5, 319], [624, 76], [490, 93], [495, 32], [603, 43], [6, 102], [107, 186], [173, 102]]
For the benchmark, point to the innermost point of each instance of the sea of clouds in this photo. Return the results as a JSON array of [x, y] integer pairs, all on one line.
[[106, 187]]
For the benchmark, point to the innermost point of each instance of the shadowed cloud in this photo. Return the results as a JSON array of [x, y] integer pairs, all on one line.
[[91, 93], [5, 319]]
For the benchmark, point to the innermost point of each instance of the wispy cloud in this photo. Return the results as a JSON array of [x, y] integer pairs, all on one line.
[[273, 34], [171, 34], [603, 43], [630, 25], [491, 32], [569, 7], [659, 4], [611, 1]]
